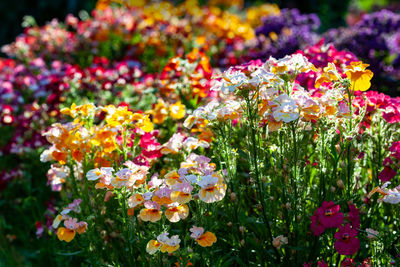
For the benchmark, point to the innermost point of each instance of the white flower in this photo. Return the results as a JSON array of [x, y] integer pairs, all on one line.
[[207, 181], [196, 232], [95, 174], [173, 241]]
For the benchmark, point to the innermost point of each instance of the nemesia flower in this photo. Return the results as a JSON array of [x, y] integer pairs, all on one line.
[[353, 216], [391, 196], [177, 111], [359, 76], [191, 143], [346, 241], [279, 241], [174, 144], [153, 246], [162, 195], [135, 200], [329, 215], [206, 239], [56, 176], [151, 212], [182, 193], [287, 109], [175, 212], [212, 188], [95, 174], [163, 243], [71, 225], [387, 174]]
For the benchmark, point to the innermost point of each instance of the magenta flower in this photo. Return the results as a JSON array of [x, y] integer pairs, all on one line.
[[387, 174], [329, 215], [395, 149], [347, 262], [316, 227], [353, 216], [346, 241], [322, 264]]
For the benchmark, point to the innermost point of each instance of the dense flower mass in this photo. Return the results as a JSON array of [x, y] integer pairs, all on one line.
[[164, 134]]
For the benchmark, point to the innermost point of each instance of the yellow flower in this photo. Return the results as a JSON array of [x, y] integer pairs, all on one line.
[[117, 116], [181, 197], [84, 110], [143, 122], [177, 111], [358, 75], [206, 239], [159, 112], [168, 248], [330, 74]]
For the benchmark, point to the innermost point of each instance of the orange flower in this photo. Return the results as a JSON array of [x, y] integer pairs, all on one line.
[[65, 234], [206, 239], [151, 212]]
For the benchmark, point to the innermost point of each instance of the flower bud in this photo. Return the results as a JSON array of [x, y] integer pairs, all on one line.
[[233, 197], [333, 189], [340, 184], [242, 242], [242, 229], [229, 224]]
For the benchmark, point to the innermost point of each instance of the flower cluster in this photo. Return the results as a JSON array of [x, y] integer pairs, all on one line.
[[71, 225], [329, 216]]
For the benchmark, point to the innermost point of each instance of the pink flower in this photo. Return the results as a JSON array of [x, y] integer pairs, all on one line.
[[329, 215], [316, 227], [322, 264], [387, 174], [346, 241]]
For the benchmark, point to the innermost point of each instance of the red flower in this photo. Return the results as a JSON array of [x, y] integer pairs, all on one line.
[[346, 241], [316, 227], [329, 215], [387, 174]]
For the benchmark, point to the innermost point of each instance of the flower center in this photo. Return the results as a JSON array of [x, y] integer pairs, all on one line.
[[329, 213], [345, 237]]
